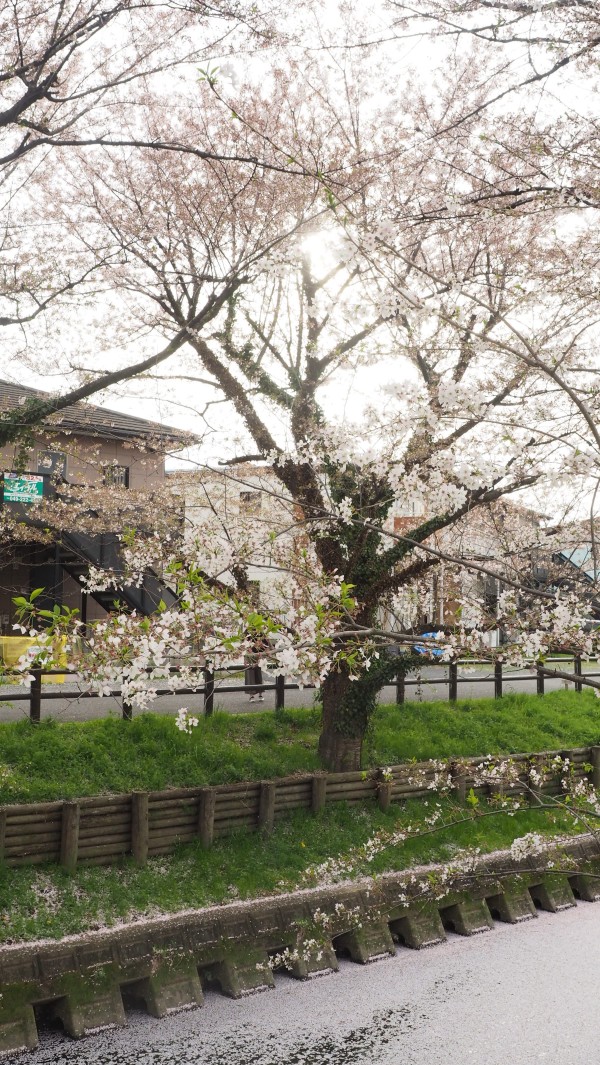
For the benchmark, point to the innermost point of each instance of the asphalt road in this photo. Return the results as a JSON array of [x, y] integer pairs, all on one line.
[[517, 995], [67, 704]]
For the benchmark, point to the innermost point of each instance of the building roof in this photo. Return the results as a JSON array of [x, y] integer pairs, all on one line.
[[88, 420]]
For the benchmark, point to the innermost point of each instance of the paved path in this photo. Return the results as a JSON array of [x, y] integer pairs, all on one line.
[[518, 995], [66, 703], [69, 706]]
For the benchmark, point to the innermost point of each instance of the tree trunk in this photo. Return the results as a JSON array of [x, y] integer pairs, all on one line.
[[339, 750], [348, 706]]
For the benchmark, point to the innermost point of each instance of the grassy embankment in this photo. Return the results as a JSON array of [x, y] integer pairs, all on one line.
[[60, 761], [52, 761]]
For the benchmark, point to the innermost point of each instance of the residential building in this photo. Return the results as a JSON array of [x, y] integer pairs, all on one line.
[[245, 507], [82, 447], [505, 537]]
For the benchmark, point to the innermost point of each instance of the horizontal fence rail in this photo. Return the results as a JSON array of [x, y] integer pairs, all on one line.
[[212, 688], [497, 675], [37, 694], [101, 830]]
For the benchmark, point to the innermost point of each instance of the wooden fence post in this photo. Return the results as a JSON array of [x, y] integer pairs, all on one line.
[[319, 792], [578, 671], [459, 780], [209, 692], [535, 786], [595, 752], [35, 695], [453, 682], [498, 680], [279, 692], [539, 680], [206, 816], [69, 836], [400, 689], [3, 820], [140, 827], [266, 809], [384, 794]]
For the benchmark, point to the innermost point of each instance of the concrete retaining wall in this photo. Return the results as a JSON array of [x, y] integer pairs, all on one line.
[[165, 963]]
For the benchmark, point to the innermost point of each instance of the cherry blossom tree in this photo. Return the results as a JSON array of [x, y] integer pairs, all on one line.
[[462, 341], [477, 342], [77, 76], [525, 116]]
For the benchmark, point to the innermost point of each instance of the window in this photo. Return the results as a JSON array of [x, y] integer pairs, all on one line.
[[250, 502], [54, 463], [116, 475], [490, 594]]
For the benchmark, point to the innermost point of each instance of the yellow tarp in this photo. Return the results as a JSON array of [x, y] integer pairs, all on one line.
[[13, 647]]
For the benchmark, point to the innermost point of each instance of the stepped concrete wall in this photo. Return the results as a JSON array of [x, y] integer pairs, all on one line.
[[85, 981]]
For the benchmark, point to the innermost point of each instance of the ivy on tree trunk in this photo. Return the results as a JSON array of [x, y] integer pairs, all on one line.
[[349, 704]]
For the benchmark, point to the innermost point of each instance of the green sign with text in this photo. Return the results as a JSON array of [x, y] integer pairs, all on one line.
[[22, 488]]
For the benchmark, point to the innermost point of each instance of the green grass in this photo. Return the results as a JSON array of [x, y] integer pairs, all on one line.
[[47, 902], [51, 760], [55, 760], [60, 760], [514, 724]]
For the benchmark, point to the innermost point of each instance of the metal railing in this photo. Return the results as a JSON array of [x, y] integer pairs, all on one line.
[[211, 685], [497, 675], [37, 693]]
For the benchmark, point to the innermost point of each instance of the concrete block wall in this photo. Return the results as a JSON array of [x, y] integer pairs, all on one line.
[[163, 964]]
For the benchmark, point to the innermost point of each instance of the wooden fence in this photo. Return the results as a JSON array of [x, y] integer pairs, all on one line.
[[101, 830], [498, 675], [37, 694]]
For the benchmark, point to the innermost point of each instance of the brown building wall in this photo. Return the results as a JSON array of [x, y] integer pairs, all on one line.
[[87, 457]]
